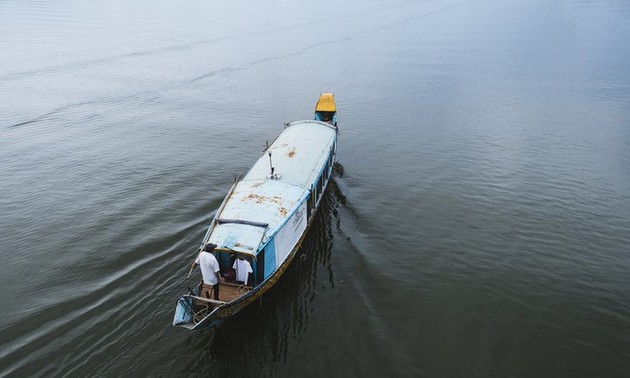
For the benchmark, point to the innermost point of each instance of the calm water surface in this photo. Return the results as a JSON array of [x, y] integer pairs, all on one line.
[[480, 226]]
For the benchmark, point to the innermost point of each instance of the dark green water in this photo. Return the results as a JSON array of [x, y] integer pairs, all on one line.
[[481, 227]]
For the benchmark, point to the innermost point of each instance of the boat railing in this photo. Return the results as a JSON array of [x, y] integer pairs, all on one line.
[[241, 221], [197, 308], [289, 124], [202, 299]]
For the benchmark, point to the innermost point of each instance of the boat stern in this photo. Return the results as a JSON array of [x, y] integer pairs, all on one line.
[[184, 313], [192, 312]]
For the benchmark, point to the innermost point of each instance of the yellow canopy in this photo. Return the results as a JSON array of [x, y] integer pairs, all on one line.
[[326, 103]]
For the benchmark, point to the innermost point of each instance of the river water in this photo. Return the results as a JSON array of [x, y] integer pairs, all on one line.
[[478, 225]]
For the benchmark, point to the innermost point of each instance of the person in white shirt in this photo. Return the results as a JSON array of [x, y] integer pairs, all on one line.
[[209, 269], [242, 268]]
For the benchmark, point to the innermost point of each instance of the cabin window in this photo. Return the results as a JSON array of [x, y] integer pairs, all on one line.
[[332, 156], [320, 186], [309, 206], [329, 165], [313, 198]]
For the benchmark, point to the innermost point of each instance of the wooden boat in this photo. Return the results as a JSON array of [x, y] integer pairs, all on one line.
[[265, 217]]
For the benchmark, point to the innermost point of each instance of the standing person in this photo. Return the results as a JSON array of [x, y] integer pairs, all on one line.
[[243, 269], [209, 269]]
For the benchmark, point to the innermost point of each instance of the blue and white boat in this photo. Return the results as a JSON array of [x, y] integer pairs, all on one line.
[[265, 217]]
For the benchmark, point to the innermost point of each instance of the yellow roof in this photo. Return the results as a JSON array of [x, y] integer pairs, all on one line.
[[326, 103]]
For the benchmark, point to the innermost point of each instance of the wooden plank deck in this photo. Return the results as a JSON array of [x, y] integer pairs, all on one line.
[[228, 291]]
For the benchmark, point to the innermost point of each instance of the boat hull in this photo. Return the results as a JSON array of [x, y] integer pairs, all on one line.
[[265, 218]]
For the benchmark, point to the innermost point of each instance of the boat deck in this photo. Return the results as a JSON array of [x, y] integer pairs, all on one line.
[[228, 291]]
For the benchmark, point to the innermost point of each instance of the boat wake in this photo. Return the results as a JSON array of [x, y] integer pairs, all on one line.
[[65, 334]]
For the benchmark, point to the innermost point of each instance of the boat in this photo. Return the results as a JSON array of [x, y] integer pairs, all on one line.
[[264, 218]]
